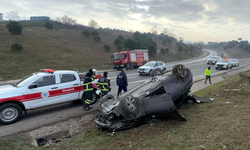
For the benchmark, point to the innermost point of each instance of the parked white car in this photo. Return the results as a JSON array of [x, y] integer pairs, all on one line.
[[213, 60], [223, 64], [235, 62], [147, 68]]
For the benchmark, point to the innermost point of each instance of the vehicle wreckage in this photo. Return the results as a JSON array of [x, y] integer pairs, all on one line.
[[159, 95]]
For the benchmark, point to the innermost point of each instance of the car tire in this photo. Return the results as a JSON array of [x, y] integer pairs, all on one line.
[[128, 66], [94, 99], [164, 71], [156, 72], [149, 72], [10, 113], [216, 68], [179, 70], [106, 98], [129, 105]]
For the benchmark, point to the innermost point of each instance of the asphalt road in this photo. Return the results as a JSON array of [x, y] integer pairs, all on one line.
[[49, 115]]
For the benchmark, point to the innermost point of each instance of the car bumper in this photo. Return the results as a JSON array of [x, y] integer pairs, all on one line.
[[118, 66], [221, 66]]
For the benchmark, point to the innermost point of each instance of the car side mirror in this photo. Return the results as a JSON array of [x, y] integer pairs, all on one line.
[[32, 86]]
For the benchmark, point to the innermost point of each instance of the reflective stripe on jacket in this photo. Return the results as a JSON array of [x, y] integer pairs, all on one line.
[[87, 84], [208, 72], [103, 84]]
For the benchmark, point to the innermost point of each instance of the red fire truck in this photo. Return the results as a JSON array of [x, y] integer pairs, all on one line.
[[130, 59]]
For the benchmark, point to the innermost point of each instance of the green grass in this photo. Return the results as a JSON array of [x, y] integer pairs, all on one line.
[[62, 49], [223, 124]]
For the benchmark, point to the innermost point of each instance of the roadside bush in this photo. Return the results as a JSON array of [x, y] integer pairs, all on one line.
[[107, 48], [86, 33], [14, 27], [166, 50], [118, 41], [97, 38], [151, 50], [49, 26], [16, 47], [163, 51], [120, 37], [119, 47], [94, 33]]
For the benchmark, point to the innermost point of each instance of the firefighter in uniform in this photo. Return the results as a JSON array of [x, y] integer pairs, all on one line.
[[103, 83], [88, 90]]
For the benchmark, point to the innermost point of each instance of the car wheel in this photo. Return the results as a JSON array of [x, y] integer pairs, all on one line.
[[156, 72], [128, 66], [150, 72], [10, 113], [106, 98], [179, 70], [130, 105], [164, 70], [216, 68], [140, 74], [231, 67]]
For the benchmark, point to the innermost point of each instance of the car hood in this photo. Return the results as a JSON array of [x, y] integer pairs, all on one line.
[[6, 89], [145, 67], [221, 63]]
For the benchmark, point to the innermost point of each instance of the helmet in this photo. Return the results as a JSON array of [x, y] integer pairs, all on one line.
[[94, 71]]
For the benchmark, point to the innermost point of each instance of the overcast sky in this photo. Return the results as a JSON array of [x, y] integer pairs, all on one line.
[[194, 20]]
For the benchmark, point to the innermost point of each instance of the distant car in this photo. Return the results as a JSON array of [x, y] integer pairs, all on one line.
[[235, 62], [159, 95], [149, 67], [223, 64], [213, 60]]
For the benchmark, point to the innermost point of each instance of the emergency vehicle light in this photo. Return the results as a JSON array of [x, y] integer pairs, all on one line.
[[47, 70]]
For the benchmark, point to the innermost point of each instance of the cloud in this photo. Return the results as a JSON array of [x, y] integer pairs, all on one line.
[[186, 18]]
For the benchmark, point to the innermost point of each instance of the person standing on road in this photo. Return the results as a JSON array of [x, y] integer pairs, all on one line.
[[88, 90], [208, 74], [122, 82], [103, 83]]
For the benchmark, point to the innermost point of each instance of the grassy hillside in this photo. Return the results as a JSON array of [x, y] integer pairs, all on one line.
[[61, 49]]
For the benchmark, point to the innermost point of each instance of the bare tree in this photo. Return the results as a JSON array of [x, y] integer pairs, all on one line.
[[93, 24], [154, 30], [13, 15], [67, 20], [165, 31]]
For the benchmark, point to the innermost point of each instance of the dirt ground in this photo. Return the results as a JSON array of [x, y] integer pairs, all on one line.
[[58, 131]]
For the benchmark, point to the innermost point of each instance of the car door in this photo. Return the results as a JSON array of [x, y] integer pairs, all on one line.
[[69, 87], [156, 65], [161, 66], [45, 92]]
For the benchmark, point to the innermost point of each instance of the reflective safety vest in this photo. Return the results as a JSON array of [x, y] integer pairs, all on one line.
[[87, 83], [103, 84], [208, 72]]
